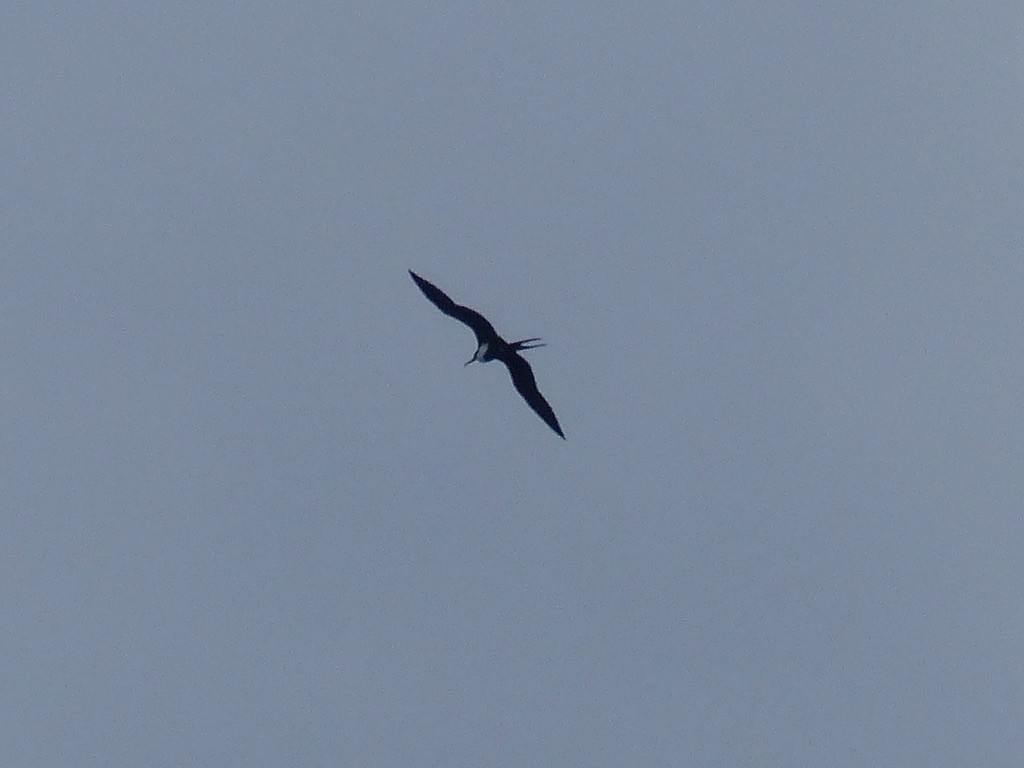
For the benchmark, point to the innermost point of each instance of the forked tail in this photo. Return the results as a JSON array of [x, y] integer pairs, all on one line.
[[525, 344]]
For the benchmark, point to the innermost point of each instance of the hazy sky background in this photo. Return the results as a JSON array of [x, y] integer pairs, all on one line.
[[256, 513]]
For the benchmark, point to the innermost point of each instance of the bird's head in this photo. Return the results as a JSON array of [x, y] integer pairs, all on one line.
[[479, 356]]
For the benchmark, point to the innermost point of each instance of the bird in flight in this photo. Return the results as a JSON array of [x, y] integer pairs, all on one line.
[[490, 346]]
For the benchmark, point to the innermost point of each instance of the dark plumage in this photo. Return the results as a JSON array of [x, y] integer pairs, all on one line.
[[490, 346]]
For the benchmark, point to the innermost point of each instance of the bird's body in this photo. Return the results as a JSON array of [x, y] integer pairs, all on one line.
[[490, 346]]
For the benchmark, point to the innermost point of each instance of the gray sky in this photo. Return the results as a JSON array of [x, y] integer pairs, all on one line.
[[255, 512]]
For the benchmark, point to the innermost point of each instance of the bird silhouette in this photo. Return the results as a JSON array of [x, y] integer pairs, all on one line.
[[490, 346]]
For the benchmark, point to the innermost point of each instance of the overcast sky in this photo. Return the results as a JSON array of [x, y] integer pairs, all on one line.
[[255, 512]]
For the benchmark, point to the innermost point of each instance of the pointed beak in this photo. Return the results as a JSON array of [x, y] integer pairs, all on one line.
[[468, 362]]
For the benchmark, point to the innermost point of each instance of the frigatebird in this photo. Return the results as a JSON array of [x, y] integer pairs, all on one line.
[[490, 346]]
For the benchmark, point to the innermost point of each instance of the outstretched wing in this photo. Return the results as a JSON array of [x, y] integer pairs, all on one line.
[[481, 327], [526, 385]]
